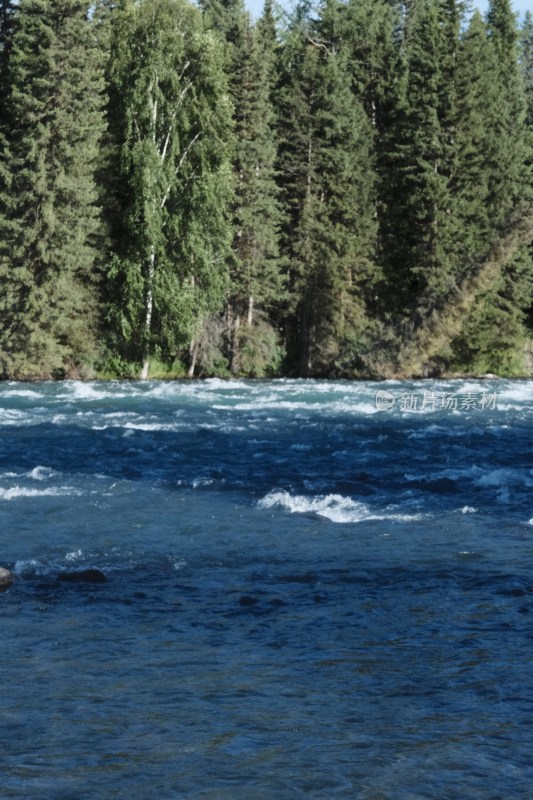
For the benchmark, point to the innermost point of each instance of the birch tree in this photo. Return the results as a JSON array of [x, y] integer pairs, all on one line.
[[174, 116]]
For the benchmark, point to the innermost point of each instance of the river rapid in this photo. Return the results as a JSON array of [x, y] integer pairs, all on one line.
[[267, 590]]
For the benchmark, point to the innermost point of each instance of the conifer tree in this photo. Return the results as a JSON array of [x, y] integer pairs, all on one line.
[[509, 181], [476, 142], [6, 33], [102, 17], [255, 281], [494, 333], [226, 17], [425, 157], [369, 30], [48, 284], [7, 12], [493, 182], [255, 272], [329, 233], [173, 118], [526, 59]]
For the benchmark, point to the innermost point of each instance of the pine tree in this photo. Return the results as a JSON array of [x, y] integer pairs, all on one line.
[[509, 183], [494, 186], [329, 233], [173, 118], [494, 333], [526, 59], [370, 32], [225, 17], [256, 282], [7, 17], [48, 282], [425, 159], [102, 19], [527, 72], [476, 142]]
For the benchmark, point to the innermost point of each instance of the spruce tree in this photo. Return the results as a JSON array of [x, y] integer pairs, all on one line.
[[494, 333], [225, 17], [172, 118], [476, 142], [48, 283], [7, 16], [328, 184], [255, 273], [509, 181], [494, 148], [526, 40], [102, 18], [425, 158], [370, 32], [526, 59]]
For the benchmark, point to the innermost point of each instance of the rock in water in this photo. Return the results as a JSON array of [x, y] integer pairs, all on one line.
[[84, 576], [6, 578]]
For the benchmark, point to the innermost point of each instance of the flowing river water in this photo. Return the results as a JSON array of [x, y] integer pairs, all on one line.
[[234, 590]]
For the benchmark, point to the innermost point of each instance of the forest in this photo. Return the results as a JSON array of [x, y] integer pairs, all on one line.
[[340, 190]]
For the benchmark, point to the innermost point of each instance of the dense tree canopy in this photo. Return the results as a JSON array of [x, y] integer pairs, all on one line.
[[342, 190], [172, 118], [49, 205]]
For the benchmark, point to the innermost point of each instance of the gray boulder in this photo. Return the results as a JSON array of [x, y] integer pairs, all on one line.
[[6, 578]]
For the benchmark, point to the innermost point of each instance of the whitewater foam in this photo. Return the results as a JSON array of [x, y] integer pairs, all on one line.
[[507, 476], [41, 473], [334, 507], [16, 492], [74, 555]]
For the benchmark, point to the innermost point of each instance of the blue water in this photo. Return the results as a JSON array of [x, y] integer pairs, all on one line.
[[305, 596]]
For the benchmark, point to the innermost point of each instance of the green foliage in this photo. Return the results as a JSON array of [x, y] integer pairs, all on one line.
[[494, 333], [328, 186], [172, 122], [256, 283], [49, 248], [261, 352], [345, 192]]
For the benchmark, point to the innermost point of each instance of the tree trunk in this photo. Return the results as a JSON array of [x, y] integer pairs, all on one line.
[[234, 355], [193, 350], [149, 308]]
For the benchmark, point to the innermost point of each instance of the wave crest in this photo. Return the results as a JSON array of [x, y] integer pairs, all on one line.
[[334, 507]]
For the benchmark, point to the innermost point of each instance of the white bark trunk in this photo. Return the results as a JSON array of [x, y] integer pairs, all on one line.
[[194, 355], [149, 310]]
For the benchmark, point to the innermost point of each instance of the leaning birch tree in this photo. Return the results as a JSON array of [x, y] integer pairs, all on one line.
[[172, 122]]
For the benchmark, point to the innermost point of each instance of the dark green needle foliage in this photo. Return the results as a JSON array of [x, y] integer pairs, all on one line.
[[328, 185], [343, 189], [49, 251]]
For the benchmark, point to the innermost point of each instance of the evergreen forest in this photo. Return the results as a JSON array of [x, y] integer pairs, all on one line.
[[342, 190]]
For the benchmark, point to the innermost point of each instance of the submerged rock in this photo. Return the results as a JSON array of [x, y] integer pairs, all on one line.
[[6, 578], [91, 575], [247, 601]]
